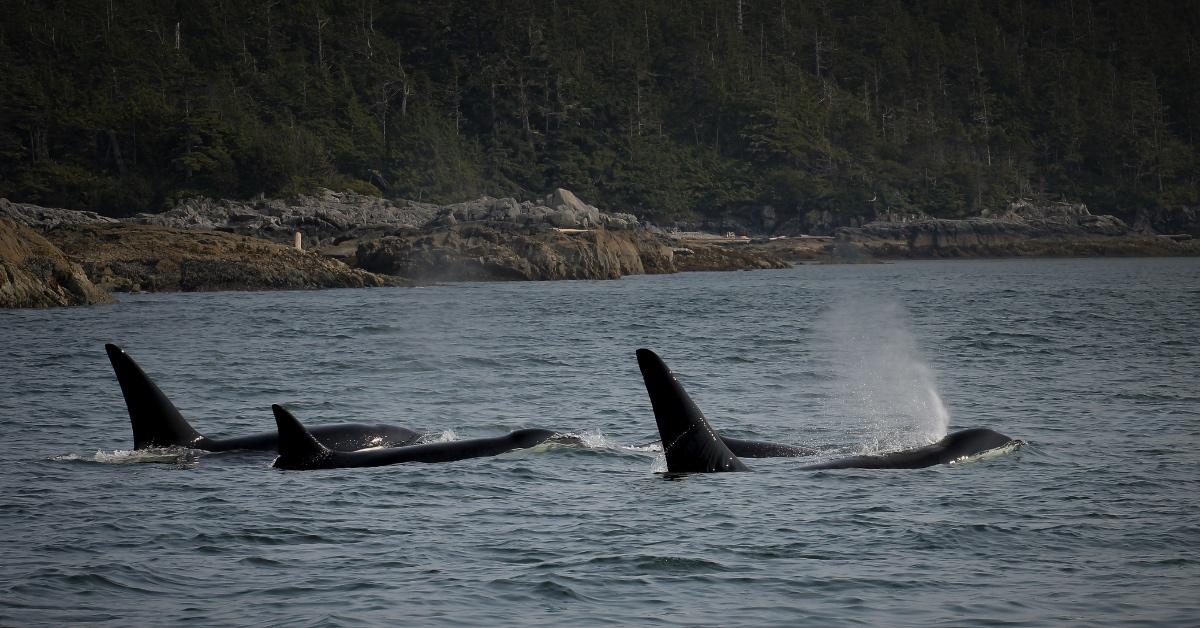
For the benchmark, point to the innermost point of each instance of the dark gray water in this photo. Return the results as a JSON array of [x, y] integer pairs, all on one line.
[[1094, 362]]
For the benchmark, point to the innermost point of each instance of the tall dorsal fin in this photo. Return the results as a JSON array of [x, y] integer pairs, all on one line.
[[689, 442], [298, 448], [156, 422]]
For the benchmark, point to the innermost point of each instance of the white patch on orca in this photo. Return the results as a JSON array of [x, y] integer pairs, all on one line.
[[991, 453], [377, 442]]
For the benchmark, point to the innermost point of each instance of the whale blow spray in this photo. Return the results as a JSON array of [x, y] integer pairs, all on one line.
[[881, 377]]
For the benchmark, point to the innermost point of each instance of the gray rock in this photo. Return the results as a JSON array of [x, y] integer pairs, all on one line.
[[322, 218], [45, 218], [327, 218], [1178, 220]]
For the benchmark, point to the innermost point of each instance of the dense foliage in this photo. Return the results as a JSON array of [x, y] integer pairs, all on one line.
[[659, 107]]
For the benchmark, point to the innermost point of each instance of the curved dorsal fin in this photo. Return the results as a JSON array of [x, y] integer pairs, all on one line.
[[298, 448], [156, 422], [689, 442]]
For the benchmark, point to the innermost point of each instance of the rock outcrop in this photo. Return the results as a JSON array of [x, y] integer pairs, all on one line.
[[1025, 229], [35, 273], [1175, 221], [42, 218], [710, 257], [322, 218], [329, 218], [508, 251], [133, 258], [205, 244]]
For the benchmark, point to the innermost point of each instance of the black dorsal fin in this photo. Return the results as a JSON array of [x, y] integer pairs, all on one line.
[[298, 448], [156, 422], [689, 442]]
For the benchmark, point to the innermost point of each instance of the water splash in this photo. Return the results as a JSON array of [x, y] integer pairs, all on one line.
[[881, 377], [594, 439], [178, 456], [444, 436]]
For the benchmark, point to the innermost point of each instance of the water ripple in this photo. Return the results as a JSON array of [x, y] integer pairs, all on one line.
[[1092, 361]]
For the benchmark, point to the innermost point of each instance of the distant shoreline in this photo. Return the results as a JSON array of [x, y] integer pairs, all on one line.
[[358, 241]]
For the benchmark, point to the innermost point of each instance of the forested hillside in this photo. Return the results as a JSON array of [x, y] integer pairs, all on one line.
[[658, 107]]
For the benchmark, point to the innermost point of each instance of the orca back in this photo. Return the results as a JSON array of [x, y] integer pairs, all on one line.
[[952, 448]]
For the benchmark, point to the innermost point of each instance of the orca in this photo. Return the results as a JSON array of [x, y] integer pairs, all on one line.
[[689, 443], [953, 448], [743, 448], [299, 450], [692, 446], [157, 423]]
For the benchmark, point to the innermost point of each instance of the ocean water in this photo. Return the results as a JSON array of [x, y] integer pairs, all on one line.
[[1094, 522]]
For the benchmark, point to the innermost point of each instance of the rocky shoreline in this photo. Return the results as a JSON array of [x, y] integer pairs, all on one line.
[[349, 240], [56, 257], [1025, 229], [35, 273]]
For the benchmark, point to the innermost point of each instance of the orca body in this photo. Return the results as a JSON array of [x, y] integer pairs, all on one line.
[[157, 423], [952, 448], [299, 450], [696, 448], [743, 448]]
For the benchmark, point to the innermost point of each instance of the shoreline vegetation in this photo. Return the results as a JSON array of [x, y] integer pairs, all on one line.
[[717, 135], [55, 257], [827, 112]]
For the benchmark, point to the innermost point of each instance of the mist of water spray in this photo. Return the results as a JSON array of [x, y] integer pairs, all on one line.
[[881, 378]]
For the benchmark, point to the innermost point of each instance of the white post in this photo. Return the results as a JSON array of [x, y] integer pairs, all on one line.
[[296, 242]]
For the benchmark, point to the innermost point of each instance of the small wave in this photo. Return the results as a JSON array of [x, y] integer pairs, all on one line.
[[97, 581], [647, 562], [549, 588], [376, 329], [259, 561], [593, 439], [474, 361], [1024, 336], [1138, 396], [172, 455], [545, 361], [1175, 561], [654, 447], [444, 436]]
